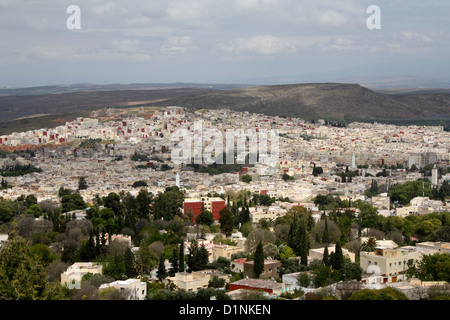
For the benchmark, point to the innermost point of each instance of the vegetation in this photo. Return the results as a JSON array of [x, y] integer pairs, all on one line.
[[157, 226], [382, 294], [19, 170]]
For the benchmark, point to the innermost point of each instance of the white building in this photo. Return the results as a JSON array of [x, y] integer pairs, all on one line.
[[133, 289], [74, 273]]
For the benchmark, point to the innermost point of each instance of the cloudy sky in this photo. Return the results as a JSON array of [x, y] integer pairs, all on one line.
[[224, 41]]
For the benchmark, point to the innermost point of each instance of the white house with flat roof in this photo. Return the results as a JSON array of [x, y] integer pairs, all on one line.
[[133, 289]]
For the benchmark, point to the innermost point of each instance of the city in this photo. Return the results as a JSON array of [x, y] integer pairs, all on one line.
[[105, 194]]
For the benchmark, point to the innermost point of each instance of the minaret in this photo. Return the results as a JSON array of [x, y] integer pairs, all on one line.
[[353, 161], [434, 176], [177, 180]]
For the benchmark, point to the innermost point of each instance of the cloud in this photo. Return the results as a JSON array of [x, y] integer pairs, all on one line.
[[177, 45], [260, 45], [331, 18], [127, 45], [252, 4], [186, 11]]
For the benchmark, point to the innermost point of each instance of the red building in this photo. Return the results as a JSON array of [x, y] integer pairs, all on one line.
[[205, 203]]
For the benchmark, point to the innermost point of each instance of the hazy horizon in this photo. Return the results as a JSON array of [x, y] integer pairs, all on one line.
[[257, 42]]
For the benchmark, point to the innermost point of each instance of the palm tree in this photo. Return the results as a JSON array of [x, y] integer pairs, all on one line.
[[369, 245]]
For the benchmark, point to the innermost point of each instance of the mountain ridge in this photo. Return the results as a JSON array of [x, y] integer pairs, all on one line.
[[328, 100]]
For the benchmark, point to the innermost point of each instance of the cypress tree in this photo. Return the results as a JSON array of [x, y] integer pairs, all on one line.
[[202, 257], [174, 262], [325, 235], [129, 264], [181, 258], [192, 256], [258, 264], [338, 257], [304, 243], [161, 273], [326, 257], [293, 236]]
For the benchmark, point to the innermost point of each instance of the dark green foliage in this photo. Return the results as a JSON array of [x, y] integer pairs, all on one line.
[[382, 294], [325, 235], [181, 257], [205, 217], [337, 263], [161, 273], [167, 205], [287, 177], [22, 274], [197, 257], [19, 170], [72, 202], [130, 270], [82, 184], [298, 238], [226, 220], [246, 178], [174, 261], [434, 267], [326, 257], [216, 282], [258, 265], [138, 184], [403, 193]]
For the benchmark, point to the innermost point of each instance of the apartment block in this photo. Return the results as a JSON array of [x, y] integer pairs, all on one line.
[[197, 205]]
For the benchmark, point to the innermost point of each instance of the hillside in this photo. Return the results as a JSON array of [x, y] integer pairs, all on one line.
[[326, 100], [14, 107], [330, 101]]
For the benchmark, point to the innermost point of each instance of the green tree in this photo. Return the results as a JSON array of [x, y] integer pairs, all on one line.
[[246, 178], [325, 235], [403, 193], [82, 184], [168, 204], [434, 267], [324, 275], [287, 253], [369, 245], [34, 210], [258, 264], [87, 249], [181, 258], [326, 257], [72, 202], [174, 261], [205, 217], [130, 270], [216, 282], [226, 220], [303, 280], [381, 294], [143, 201], [161, 272], [23, 276], [298, 237], [338, 261], [6, 211], [287, 177]]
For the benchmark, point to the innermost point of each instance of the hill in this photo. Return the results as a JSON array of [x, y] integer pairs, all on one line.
[[334, 101], [329, 101], [13, 107]]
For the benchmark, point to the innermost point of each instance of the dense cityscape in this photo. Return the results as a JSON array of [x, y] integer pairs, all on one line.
[[96, 209]]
